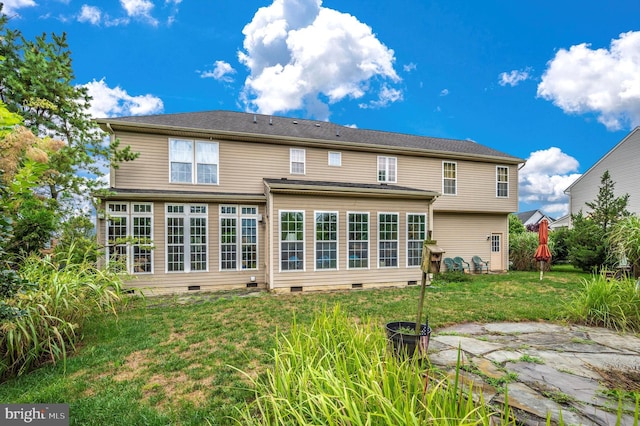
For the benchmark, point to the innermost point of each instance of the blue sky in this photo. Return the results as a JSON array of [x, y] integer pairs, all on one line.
[[556, 83]]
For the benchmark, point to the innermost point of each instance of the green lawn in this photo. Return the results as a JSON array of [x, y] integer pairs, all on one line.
[[173, 361]]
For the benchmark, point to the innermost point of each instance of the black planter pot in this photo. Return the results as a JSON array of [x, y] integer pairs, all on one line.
[[408, 344]]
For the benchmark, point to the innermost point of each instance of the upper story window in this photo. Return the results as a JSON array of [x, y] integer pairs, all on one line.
[[193, 161], [387, 169], [449, 178], [297, 160], [502, 181], [335, 159]]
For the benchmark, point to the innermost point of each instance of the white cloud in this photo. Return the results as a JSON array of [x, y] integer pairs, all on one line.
[[386, 96], [444, 92], [544, 178], [513, 78], [11, 6], [602, 81], [222, 71], [108, 102], [410, 67], [299, 52], [139, 9], [91, 14]]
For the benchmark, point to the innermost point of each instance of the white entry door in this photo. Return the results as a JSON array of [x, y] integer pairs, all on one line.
[[496, 253]]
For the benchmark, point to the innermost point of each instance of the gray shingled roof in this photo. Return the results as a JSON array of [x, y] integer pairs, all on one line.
[[258, 124]]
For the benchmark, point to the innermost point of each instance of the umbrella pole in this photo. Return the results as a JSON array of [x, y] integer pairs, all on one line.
[[541, 270]]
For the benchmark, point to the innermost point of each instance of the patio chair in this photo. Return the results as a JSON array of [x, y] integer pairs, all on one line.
[[480, 265], [450, 264], [461, 264]]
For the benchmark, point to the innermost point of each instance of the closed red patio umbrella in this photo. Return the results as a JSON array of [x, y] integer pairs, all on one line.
[[542, 252]]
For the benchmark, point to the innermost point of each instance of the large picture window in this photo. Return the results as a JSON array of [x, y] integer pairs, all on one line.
[[387, 240], [387, 169], [292, 240], [234, 240], [449, 178], [326, 240], [358, 241], [129, 236], [416, 233], [502, 181], [186, 238], [193, 161]]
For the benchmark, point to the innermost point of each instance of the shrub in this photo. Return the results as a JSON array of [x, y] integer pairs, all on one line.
[[53, 312], [338, 372], [607, 303], [522, 247]]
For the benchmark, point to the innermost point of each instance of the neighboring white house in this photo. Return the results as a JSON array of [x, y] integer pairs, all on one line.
[[533, 217], [624, 169]]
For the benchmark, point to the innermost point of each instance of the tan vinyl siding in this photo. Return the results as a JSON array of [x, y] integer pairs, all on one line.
[[622, 164], [465, 235], [343, 277], [243, 166]]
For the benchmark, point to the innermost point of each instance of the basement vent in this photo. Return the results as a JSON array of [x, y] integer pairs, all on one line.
[[296, 289], [412, 282], [356, 285], [252, 285], [193, 287]]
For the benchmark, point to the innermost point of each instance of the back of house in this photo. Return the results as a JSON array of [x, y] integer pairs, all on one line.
[[222, 200]]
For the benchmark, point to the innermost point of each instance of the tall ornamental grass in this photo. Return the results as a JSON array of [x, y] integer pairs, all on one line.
[[53, 312], [339, 372], [606, 302]]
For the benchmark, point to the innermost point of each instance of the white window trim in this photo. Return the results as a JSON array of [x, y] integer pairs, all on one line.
[[303, 241], [337, 155], [455, 163], [304, 160], [407, 237], [238, 216], [129, 214], [315, 241], [194, 163], [386, 169], [368, 240], [397, 242], [498, 182], [187, 236]]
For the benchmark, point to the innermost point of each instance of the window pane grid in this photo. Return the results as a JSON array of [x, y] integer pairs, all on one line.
[[228, 244], [175, 244], [291, 241], [326, 240], [449, 178], [388, 240], [297, 160], [249, 243], [416, 232], [387, 169], [502, 182], [183, 158], [358, 243]]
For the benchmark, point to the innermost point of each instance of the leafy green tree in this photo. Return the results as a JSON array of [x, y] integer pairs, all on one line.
[[77, 241], [607, 209], [515, 225], [560, 240], [588, 247], [36, 82]]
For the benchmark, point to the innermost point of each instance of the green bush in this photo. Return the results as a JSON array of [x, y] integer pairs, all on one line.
[[339, 372], [522, 247], [53, 312], [606, 302]]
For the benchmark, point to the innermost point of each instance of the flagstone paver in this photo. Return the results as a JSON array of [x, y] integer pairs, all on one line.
[[557, 369]]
